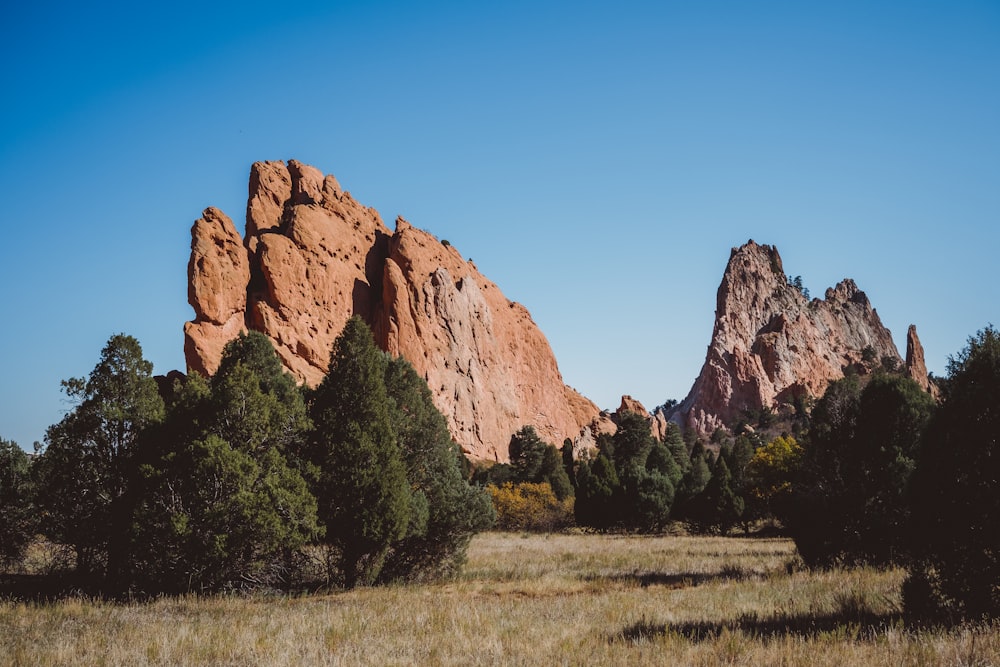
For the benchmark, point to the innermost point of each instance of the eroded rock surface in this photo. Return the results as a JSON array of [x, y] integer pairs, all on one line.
[[916, 367], [218, 273], [313, 257], [771, 343]]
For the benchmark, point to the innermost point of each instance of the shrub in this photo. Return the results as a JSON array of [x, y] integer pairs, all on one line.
[[530, 507], [770, 472]]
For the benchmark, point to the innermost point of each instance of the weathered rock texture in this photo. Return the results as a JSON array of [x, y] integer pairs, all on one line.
[[313, 257], [915, 365], [218, 273], [770, 343]]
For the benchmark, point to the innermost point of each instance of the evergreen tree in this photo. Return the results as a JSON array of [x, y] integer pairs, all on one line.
[[222, 507], [956, 493], [445, 511], [632, 442], [533, 461], [652, 494], [363, 493], [88, 470], [218, 517], [673, 440], [661, 461], [597, 486], [17, 516], [694, 481], [849, 497], [737, 456], [554, 474], [718, 507], [276, 418], [526, 451], [646, 494], [569, 464]]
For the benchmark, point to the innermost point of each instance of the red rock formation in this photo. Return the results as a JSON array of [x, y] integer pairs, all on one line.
[[607, 423], [218, 273], [771, 343], [629, 404], [915, 365], [657, 420], [313, 257], [488, 363]]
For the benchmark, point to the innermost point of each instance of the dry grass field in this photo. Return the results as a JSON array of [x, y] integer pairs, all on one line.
[[526, 600]]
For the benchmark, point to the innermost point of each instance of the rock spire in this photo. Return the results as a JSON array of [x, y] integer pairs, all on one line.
[[771, 343]]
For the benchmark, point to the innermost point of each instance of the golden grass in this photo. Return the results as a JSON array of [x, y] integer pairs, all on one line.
[[526, 600]]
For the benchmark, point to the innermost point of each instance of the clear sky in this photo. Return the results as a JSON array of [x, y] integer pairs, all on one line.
[[596, 160]]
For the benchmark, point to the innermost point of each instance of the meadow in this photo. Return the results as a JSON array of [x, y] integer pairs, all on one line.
[[559, 599]]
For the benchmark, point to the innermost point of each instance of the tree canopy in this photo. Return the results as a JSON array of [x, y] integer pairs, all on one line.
[[849, 499], [956, 493], [17, 518], [390, 490], [89, 463]]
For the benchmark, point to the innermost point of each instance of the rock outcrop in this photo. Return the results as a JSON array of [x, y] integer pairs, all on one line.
[[657, 419], [606, 423], [771, 343], [313, 257], [218, 273], [916, 367]]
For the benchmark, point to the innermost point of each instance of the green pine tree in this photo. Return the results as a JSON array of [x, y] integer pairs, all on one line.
[[526, 451], [554, 474], [445, 510], [597, 488], [955, 569], [222, 506], [363, 493], [87, 474]]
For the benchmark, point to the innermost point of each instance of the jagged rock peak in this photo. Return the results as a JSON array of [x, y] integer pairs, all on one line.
[[630, 404], [915, 364], [312, 257], [771, 343]]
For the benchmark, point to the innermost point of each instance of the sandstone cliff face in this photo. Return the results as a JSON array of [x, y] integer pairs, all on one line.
[[483, 356], [770, 343], [313, 257]]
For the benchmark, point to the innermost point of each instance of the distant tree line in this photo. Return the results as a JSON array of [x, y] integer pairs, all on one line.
[[243, 479]]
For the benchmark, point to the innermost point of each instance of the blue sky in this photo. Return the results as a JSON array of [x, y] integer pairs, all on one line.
[[596, 160]]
